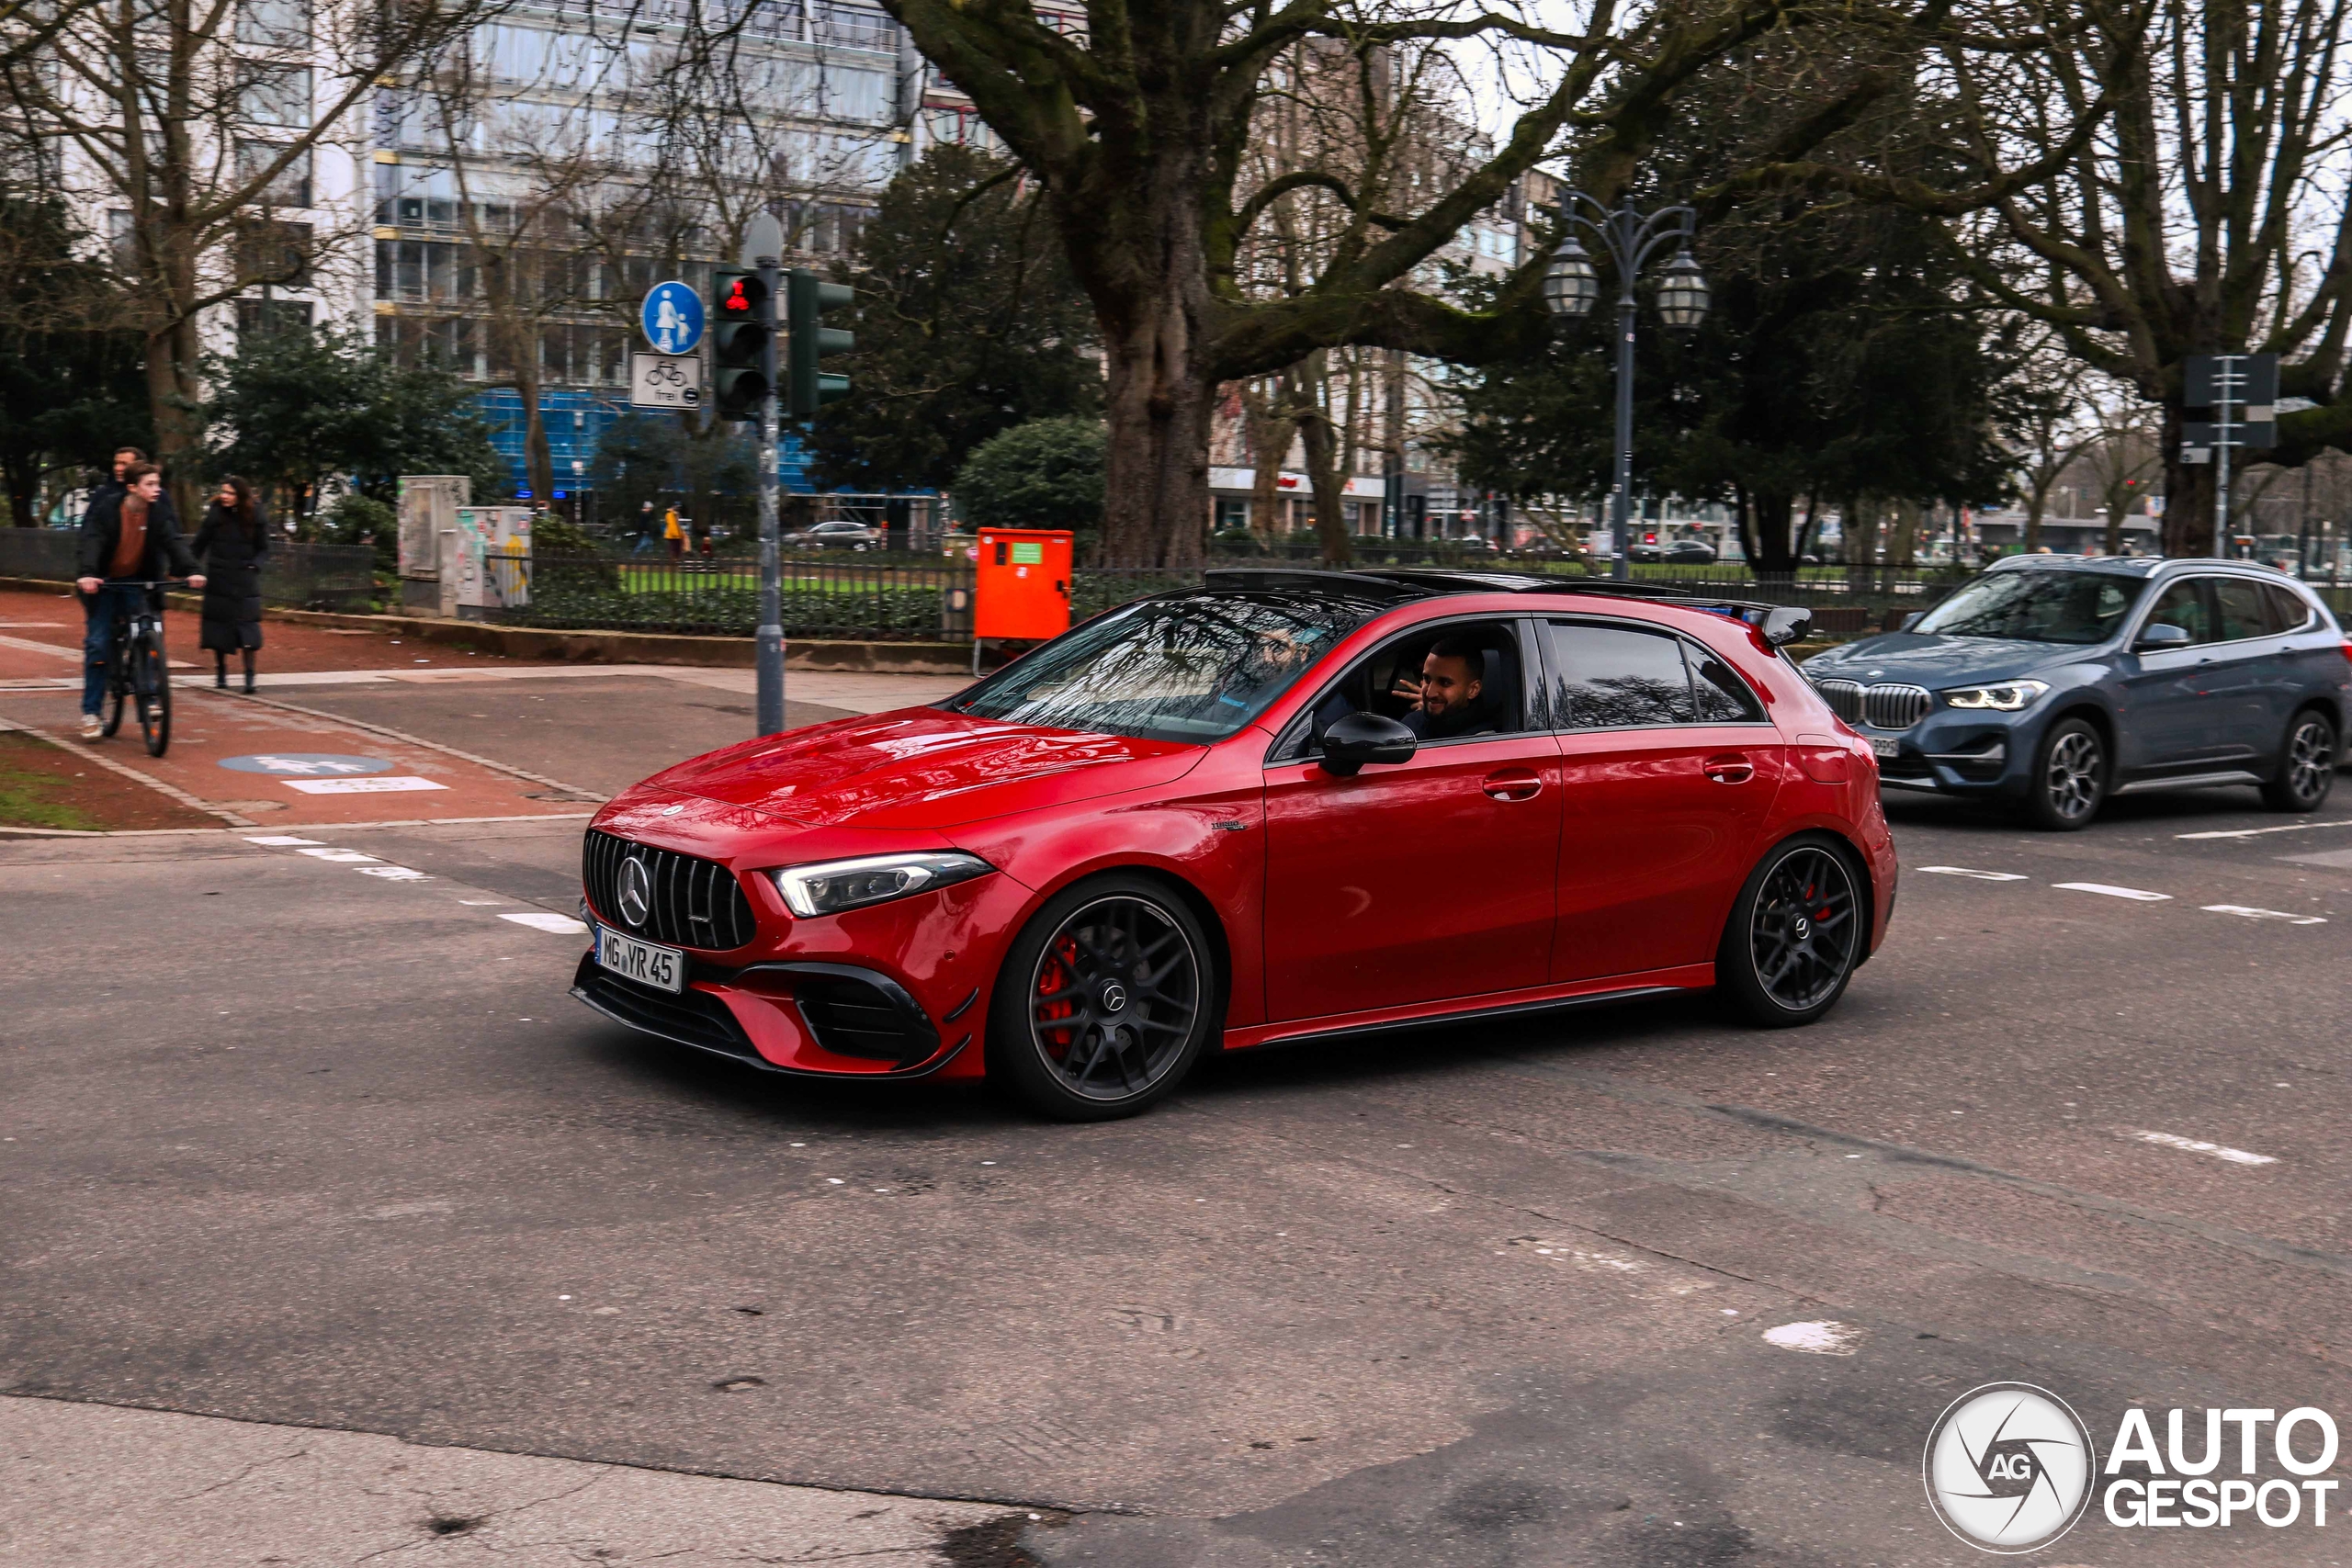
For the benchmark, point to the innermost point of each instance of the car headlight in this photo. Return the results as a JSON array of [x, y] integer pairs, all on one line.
[[2002, 696], [830, 886]]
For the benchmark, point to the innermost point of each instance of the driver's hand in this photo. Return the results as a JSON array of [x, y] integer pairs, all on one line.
[[88, 584], [1409, 687], [196, 583]]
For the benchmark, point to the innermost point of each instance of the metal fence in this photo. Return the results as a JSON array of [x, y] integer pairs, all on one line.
[[297, 577]]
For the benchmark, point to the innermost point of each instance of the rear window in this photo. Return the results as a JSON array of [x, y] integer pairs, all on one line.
[[2037, 606], [1197, 668]]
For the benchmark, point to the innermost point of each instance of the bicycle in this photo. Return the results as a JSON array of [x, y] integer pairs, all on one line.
[[137, 671]]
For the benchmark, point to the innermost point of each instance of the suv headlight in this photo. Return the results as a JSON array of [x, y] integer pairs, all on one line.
[[2002, 696], [830, 886]]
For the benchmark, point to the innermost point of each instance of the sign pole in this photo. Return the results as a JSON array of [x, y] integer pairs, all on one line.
[[763, 248], [2225, 377]]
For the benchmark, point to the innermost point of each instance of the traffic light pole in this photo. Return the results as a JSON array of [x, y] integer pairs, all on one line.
[[770, 650], [2226, 394]]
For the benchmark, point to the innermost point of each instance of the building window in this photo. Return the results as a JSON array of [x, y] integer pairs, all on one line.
[[422, 269], [274, 253], [274, 24], [276, 95], [290, 187], [262, 319], [122, 241]]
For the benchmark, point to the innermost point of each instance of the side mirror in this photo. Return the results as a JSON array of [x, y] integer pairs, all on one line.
[[2164, 634], [1362, 738], [1913, 618], [1787, 624]]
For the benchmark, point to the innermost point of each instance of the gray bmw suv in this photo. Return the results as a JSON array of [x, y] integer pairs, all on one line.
[[2054, 682]]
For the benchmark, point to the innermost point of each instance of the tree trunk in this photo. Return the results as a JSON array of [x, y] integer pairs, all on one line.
[[172, 401], [1330, 490], [2188, 498], [1775, 554], [1270, 434], [1158, 395], [2036, 502], [1903, 543]]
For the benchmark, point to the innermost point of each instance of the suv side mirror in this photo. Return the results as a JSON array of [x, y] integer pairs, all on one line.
[[2164, 634], [1362, 738], [1913, 618]]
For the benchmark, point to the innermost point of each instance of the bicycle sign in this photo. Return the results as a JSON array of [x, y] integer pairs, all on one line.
[[665, 381]]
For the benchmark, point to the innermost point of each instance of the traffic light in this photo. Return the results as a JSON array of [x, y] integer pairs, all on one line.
[[742, 342], [808, 297]]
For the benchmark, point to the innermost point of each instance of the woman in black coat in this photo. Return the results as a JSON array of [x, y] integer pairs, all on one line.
[[233, 542]]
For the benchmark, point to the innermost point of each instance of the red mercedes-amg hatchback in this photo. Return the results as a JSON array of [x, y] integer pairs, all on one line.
[[1289, 806]]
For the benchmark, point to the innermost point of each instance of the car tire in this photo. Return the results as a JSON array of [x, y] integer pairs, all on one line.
[[1797, 931], [1106, 1001], [2306, 767], [2068, 783]]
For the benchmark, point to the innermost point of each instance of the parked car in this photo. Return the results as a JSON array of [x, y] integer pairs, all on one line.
[[1212, 819], [836, 537], [1675, 552], [2054, 682]]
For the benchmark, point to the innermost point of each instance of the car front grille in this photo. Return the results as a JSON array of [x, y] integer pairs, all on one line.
[[690, 902], [1887, 707]]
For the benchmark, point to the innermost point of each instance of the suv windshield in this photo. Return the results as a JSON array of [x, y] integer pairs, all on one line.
[[1197, 668], [2037, 606]]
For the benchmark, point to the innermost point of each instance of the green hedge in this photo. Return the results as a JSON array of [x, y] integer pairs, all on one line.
[[910, 614]]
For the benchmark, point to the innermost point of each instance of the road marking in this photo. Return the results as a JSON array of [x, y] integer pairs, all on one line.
[[280, 841], [562, 925], [2198, 1146], [2141, 893], [2253, 914], [381, 785], [1979, 875], [2250, 833], [350, 857], [1822, 1338], [391, 873]]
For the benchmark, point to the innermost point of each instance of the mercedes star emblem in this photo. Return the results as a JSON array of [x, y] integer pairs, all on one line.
[[637, 891]]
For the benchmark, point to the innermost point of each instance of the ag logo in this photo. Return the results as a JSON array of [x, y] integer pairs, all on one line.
[[2009, 1467], [637, 891]]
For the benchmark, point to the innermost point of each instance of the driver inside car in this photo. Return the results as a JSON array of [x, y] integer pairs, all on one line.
[[1444, 697]]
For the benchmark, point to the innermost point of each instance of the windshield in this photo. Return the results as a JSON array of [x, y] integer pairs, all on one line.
[[2037, 606], [1195, 669]]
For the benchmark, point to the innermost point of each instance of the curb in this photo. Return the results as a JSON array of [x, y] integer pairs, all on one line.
[[606, 647]]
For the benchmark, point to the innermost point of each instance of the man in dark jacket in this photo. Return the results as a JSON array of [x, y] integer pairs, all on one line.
[[113, 485], [129, 536]]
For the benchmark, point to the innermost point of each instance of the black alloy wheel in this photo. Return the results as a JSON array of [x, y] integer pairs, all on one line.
[[1797, 932], [1105, 1001], [2069, 778], [153, 682], [2306, 770]]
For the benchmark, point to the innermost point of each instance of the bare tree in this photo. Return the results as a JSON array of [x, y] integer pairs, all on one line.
[[1141, 131], [190, 116]]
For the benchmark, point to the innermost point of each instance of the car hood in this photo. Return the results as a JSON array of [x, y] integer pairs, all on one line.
[[1935, 661], [923, 767]]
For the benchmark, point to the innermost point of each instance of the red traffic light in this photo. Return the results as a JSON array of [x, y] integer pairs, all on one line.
[[736, 301]]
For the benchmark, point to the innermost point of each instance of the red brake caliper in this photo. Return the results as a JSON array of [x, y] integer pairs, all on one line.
[[1058, 972]]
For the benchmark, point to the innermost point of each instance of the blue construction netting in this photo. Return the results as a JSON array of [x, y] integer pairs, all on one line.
[[576, 421]]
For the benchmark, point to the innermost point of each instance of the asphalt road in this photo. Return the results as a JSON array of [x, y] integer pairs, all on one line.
[[294, 1145]]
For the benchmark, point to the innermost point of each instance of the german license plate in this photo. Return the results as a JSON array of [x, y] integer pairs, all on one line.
[[663, 968], [1885, 745]]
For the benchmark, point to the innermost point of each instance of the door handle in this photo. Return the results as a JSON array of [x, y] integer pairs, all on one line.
[[1514, 784], [1730, 768]]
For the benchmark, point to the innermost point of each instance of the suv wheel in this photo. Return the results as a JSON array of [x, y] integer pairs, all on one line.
[[2306, 769], [2069, 777]]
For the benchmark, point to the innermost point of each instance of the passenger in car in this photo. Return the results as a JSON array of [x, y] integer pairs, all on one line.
[[1445, 698]]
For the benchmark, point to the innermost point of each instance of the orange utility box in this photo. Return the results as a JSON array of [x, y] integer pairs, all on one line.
[[1021, 584]]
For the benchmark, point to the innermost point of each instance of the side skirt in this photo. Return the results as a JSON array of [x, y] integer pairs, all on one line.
[[1470, 1009]]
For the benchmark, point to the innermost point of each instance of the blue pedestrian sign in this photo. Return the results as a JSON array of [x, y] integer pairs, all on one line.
[[671, 316]]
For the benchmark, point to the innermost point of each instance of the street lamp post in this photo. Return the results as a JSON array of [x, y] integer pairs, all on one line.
[[1571, 286]]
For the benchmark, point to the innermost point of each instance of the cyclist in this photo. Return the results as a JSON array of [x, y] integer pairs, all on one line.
[[127, 535]]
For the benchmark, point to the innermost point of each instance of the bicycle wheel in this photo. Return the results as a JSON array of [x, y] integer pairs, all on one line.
[[117, 683], [154, 685]]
